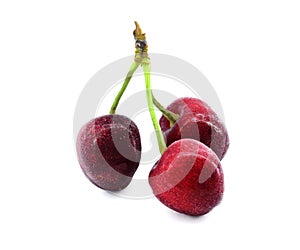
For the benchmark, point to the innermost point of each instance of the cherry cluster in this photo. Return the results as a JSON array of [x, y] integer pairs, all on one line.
[[188, 177]]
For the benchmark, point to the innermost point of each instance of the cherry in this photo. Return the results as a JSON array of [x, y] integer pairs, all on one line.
[[188, 178], [196, 121], [109, 151]]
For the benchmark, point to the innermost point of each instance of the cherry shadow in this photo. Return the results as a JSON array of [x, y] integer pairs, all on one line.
[[185, 218]]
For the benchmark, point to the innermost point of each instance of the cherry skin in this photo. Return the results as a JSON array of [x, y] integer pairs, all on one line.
[[196, 121], [188, 178], [109, 151]]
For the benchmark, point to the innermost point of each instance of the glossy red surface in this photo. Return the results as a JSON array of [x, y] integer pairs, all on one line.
[[188, 178]]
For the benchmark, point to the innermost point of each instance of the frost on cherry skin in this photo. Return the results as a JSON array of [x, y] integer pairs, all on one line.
[[109, 151], [188, 178], [196, 121]]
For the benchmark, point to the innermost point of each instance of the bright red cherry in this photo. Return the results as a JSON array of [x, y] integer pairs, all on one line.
[[188, 178]]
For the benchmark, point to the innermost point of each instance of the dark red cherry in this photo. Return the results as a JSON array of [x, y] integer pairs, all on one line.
[[196, 121], [109, 151]]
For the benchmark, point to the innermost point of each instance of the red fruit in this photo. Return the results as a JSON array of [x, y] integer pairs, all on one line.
[[188, 178], [196, 121], [109, 151]]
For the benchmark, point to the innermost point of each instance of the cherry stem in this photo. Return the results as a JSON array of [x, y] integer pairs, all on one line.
[[141, 58], [132, 69], [172, 117], [159, 135]]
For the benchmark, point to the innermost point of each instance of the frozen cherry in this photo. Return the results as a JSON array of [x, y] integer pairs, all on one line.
[[196, 121], [109, 151], [188, 178]]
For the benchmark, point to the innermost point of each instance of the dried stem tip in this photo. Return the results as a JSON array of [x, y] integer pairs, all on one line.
[[137, 33]]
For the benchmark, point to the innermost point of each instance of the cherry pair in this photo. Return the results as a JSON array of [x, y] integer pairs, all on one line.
[[188, 178]]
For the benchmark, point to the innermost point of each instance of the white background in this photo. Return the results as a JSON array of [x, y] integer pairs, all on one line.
[[250, 52]]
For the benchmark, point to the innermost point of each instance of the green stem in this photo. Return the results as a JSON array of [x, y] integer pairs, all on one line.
[[172, 117], [132, 69], [159, 135]]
